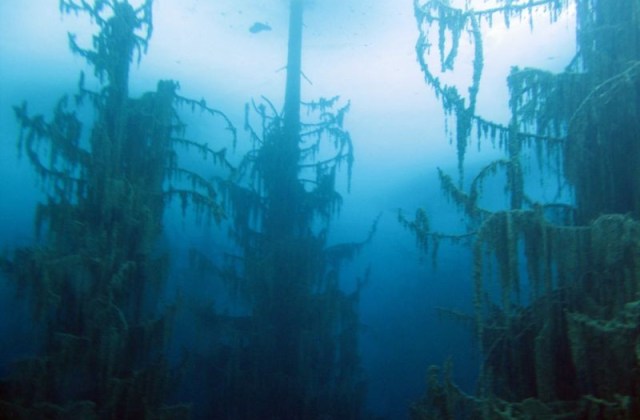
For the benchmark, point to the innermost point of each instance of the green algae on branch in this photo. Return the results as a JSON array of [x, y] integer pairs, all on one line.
[[543, 353]]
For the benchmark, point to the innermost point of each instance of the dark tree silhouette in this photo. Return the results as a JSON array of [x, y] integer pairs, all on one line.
[[293, 354], [94, 278]]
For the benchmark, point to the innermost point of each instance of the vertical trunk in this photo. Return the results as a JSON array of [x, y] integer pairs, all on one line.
[[294, 68], [282, 297], [283, 155]]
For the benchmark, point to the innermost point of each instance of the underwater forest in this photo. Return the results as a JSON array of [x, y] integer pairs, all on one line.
[[320, 209]]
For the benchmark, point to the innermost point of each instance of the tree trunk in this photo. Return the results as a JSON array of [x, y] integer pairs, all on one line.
[[294, 69]]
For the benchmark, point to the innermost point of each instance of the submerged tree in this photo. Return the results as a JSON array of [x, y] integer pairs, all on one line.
[[292, 352], [571, 347], [95, 277]]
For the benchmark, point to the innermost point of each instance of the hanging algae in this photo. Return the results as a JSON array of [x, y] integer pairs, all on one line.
[[93, 280], [571, 348]]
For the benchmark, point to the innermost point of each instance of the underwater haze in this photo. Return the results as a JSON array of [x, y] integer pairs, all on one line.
[[319, 209]]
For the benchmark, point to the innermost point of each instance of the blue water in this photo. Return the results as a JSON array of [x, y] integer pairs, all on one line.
[[361, 51]]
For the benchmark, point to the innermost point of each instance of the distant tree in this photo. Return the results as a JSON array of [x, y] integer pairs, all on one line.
[[571, 347], [94, 278], [293, 354]]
